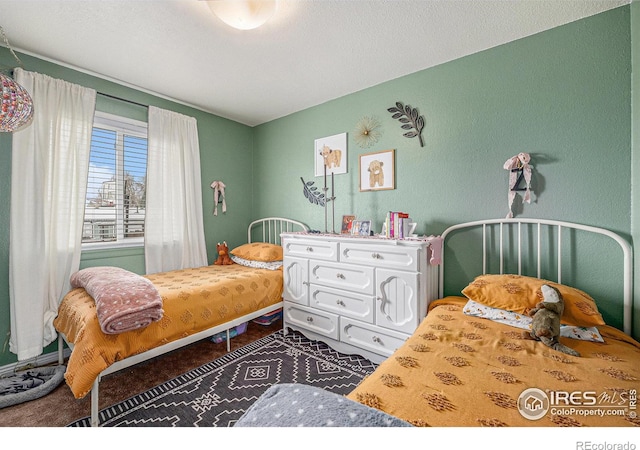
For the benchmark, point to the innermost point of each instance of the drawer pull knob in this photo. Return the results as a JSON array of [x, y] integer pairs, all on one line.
[[309, 249], [376, 256], [376, 339], [339, 275], [340, 302], [309, 319]]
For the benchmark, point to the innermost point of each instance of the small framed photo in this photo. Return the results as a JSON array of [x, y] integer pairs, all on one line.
[[377, 171], [347, 221], [361, 228], [331, 152], [355, 226]]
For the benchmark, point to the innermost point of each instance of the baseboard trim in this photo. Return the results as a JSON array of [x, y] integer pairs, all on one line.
[[38, 361]]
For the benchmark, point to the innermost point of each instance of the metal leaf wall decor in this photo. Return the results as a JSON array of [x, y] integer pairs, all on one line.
[[410, 120], [312, 194]]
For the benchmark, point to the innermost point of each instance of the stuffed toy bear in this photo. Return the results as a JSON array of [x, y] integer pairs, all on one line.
[[223, 254], [545, 325]]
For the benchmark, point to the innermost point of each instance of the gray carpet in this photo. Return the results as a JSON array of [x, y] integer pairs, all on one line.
[[218, 393]]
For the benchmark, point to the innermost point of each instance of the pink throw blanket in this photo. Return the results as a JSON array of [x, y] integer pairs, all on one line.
[[124, 300]]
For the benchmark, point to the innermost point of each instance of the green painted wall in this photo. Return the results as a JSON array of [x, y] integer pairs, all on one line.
[[563, 96], [226, 154]]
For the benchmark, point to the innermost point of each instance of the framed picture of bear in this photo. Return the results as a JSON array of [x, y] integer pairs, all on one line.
[[330, 152], [377, 171]]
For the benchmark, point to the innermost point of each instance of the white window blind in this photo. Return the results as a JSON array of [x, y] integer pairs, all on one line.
[[116, 187]]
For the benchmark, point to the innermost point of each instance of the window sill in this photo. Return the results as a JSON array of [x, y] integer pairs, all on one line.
[[125, 243]]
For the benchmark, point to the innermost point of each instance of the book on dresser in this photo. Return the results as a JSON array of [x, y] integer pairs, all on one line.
[[397, 225], [360, 295]]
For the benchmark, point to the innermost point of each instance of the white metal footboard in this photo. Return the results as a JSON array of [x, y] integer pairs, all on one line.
[[506, 231]]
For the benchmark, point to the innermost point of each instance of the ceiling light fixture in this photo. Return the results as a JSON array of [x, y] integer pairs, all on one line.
[[16, 105], [243, 14]]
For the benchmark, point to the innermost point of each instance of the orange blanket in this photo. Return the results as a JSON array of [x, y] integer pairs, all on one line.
[[457, 370], [193, 300]]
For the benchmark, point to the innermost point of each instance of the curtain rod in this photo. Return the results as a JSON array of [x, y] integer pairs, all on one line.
[[122, 99]]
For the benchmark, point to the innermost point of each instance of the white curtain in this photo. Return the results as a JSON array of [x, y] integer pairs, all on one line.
[[49, 169], [174, 230]]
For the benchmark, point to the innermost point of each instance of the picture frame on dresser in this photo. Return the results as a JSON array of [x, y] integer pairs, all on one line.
[[347, 222], [361, 228]]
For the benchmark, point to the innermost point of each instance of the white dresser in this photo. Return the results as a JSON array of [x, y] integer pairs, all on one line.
[[360, 295]]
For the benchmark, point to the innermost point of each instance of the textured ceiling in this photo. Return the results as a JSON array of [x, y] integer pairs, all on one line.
[[309, 53]]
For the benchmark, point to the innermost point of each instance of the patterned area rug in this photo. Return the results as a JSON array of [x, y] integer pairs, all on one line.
[[218, 393]]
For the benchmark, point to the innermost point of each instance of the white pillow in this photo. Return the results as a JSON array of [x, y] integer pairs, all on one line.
[[270, 265], [518, 320]]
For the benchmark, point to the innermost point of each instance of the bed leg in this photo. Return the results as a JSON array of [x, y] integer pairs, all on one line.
[[228, 342], [60, 350], [95, 421]]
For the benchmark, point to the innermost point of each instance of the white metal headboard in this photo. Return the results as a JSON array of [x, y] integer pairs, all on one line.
[[559, 225], [272, 227]]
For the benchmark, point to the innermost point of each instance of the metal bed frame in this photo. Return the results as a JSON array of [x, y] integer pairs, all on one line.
[[271, 227], [506, 231]]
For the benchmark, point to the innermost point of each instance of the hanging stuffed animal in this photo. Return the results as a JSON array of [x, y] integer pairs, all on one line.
[[518, 166], [218, 192]]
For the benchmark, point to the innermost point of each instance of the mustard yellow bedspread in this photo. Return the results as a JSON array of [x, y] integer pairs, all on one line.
[[193, 300], [457, 370]]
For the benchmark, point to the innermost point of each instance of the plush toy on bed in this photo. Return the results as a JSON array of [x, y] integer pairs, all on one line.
[[545, 325], [223, 255]]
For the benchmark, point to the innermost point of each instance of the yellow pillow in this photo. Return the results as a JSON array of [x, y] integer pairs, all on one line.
[[519, 293], [259, 251]]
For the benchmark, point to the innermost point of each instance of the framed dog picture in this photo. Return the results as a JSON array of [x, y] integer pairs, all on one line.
[[377, 171], [331, 152]]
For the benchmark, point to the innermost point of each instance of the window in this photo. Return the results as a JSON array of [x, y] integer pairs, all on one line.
[[116, 188]]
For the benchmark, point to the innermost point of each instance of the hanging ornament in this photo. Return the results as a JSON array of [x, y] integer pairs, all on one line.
[[16, 109], [367, 131], [519, 170], [16, 105], [218, 197]]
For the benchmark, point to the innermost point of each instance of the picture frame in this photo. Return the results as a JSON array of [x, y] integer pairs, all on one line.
[[347, 222], [361, 228], [333, 150], [377, 171]]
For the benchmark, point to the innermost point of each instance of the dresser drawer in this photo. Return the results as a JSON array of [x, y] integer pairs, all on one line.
[[315, 320], [324, 250], [369, 337], [342, 276], [342, 302], [386, 256]]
